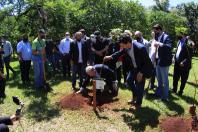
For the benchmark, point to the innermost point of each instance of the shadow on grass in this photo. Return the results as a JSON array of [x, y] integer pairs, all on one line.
[[189, 100], [141, 118], [171, 104], [40, 108]]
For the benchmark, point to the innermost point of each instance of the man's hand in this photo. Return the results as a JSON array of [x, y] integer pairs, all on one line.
[[107, 58], [139, 77], [14, 118]]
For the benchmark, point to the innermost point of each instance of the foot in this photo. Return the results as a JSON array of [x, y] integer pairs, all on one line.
[[80, 91], [174, 91], [180, 93]]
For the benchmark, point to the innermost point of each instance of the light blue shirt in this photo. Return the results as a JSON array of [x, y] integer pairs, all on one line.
[[25, 50], [7, 48], [64, 46]]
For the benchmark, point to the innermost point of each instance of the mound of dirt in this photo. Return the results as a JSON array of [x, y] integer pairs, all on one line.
[[176, 124], [74, 101]]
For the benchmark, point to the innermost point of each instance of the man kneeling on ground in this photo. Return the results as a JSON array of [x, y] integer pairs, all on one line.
[[100, 71]]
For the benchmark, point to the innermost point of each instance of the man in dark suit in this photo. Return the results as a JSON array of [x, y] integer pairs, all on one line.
[[183, 59], [101, 71], [99, 47], [141, 67], [164, 60], [79, 54]]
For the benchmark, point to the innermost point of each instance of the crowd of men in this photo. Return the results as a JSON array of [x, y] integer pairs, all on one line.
[[85, 57]]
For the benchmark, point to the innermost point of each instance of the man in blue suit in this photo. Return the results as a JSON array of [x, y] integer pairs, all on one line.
[[164, 60], [183, 60], [141, 67]]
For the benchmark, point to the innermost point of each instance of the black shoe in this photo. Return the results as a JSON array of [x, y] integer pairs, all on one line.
[[180, 93], [173, 91]]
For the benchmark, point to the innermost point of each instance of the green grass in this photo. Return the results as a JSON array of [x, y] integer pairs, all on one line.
[[41, 112]]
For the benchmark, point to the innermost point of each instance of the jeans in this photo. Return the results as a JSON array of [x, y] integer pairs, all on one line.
[[38, 71], [80, 70], [163, 82], [136, 87]]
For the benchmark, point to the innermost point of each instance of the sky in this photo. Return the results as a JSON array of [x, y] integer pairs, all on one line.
[[148, 3]]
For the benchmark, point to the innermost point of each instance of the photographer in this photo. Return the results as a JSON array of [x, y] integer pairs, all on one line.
[[4, 121]]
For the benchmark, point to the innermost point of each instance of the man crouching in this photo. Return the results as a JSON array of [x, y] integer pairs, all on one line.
[[100, 71]]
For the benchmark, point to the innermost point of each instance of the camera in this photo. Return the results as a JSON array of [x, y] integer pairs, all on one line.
[[17, 101]]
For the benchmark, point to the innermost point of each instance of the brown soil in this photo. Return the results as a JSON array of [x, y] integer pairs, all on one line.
[[77, 101], [177, 124]]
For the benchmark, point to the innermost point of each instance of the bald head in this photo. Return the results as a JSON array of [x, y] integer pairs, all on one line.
[[78, 36], [138, 35]]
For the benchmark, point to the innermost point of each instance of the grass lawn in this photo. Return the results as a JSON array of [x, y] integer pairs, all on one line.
[[42, 114]]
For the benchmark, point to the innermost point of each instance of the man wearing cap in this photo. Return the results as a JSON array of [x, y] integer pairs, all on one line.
[[99, 47], [64, 49], [38, 56], [163, 44]]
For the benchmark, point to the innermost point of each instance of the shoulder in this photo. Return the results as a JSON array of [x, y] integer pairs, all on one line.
[[138, 45]]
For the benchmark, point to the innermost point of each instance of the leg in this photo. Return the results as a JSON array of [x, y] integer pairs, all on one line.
[[64, 65], [68, 65], [152, 83], [164, 71], [28, 65], [176, 77], [158, 92], [130, 81], [22, 70], [2, 87], [74, 72], [184, 78], [140, 91]]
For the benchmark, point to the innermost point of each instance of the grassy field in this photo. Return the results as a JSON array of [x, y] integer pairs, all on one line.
[[42, 114]]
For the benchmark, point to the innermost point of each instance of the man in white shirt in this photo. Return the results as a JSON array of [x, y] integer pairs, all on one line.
[[64, 49], [79, 53], [24, 51]]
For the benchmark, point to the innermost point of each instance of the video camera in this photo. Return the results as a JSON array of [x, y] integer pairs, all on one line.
[[17, 101]]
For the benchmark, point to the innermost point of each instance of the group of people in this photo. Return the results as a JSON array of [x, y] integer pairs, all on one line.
[[99, 57]]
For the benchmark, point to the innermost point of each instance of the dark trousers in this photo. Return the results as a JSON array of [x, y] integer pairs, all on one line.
[[80, 70], [136, 87], [118, 74], [152, 83], [25, 70], [2, 86], [182, 73], [66, 64], [7, 65], [125, 69]]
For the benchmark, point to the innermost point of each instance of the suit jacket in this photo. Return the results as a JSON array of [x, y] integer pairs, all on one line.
[[74, 51], [164, 52], [143, 62], [185, 55]]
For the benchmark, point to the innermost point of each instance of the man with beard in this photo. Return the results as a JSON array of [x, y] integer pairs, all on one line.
[[24, 51], [99, 47], [38, 56], [164, 60]]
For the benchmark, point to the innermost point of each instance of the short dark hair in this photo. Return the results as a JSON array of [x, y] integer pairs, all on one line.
[[124, 39], [157, 26]]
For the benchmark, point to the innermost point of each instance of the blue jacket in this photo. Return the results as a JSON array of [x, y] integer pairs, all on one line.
[[164, 52], [143, 62]]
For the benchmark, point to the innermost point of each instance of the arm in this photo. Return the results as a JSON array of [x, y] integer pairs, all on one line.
[[188, 58]]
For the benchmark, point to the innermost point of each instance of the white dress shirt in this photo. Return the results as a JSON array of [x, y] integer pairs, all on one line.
[[131, 54], [64, 46], [80, 60]]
